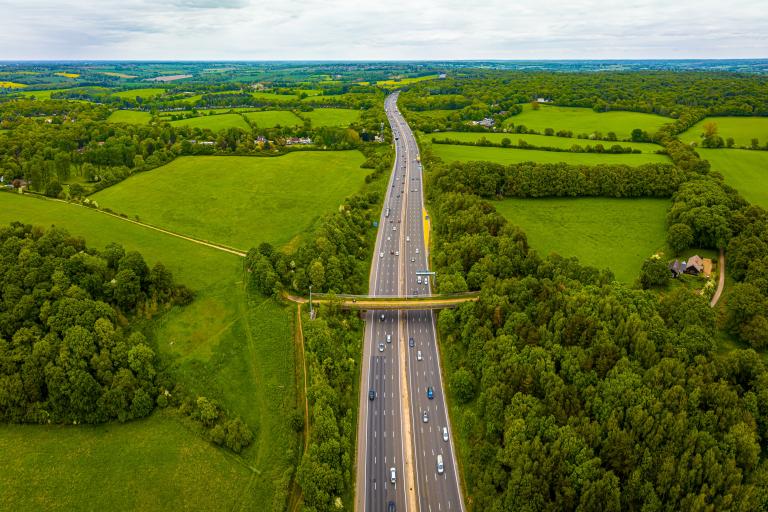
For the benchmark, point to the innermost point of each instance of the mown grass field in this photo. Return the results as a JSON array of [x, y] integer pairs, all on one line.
[[586, 120], [227, 345], [215, 122], [745, 170], [332, 116], [451, 153], [742, 129], [239, 201], [129, 116], [537, 140], [270, 118], [140, 93], [605, 233]]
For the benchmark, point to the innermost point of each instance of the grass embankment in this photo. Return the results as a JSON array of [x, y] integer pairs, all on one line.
[[239, 201], [129, 116], [586, 120], [224, 345], [451, 153], [605, 233], [538, 140], [743, 169], [741, 129]]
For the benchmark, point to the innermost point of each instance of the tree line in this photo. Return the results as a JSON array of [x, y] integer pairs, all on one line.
[[506, 142]]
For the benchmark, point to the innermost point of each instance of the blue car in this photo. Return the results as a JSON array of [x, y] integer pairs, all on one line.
[[430, 393]]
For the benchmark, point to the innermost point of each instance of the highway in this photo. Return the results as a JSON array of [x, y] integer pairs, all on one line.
[[392, 431]]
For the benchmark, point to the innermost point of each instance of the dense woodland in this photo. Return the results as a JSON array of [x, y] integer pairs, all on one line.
[[67, 353]]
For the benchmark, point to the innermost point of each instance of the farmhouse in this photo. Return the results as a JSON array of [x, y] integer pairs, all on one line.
[[297, 140], [694, 266], [676, 268], [543, 100]]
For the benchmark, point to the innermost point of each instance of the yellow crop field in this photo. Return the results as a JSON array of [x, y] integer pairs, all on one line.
[[11, 85], [67, 75]]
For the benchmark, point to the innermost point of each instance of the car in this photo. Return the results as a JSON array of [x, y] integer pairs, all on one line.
[[389, 338], [391, 251], [389, 239], [445, 434], [392, 475], [418, 279], [397, 253], [382, 317], [425, 417], [371, 394], [391, 506], [413, 260], [411, 343], [419, 356], [430, 393], [426, 280], [440, 467], [381, 347], [408, 239], [417, 250], [394, 228], [381, 254]]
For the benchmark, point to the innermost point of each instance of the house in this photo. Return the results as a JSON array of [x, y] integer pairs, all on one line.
[[707, 267], [676, 268], [694, 266], [441, 76], [297, 140], [543, 100], [487, 122]]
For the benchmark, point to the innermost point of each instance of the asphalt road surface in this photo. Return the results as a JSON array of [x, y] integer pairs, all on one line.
[[384, 424]]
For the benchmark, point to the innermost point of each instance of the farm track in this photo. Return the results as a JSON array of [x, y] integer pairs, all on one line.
[[212, 245], [720, 280]]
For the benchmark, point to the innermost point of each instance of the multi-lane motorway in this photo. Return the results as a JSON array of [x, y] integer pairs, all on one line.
[[400, 426]]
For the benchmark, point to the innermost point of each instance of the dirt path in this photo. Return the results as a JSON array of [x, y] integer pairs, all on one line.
[[212, 245], [720, 281]]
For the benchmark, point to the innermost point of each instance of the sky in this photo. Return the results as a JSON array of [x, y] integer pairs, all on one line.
[[381, 30]]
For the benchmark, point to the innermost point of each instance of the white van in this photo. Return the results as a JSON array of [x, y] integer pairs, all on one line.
[[440, 467]]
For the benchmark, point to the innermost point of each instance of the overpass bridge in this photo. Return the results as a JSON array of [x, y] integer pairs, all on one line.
[[364, 302]]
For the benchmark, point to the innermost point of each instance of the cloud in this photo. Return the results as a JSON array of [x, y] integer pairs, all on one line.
[[396, 29]]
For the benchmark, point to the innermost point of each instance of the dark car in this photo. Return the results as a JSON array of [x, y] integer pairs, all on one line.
[[391, 506], [430, 393], [411, 342], [371, 394]]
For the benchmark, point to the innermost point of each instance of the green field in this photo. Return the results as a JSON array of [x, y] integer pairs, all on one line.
[[41, 95], [153, 464], [271, 96], [271, 118], [129, 116], [223, 345], [140, 93], [332, 116], [236, 200], [450, 153], [586, 120], [742, 129], [745, 170], [215, 122], [537, 140], [605, 233]]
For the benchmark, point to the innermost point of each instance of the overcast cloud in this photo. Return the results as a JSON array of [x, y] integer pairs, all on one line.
[[389, 29]]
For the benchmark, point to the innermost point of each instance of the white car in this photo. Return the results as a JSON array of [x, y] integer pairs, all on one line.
[[440, 467], [392, 475], [389, 338], [408, 239], [381, 347], [425, 417], [445, 434], [381, 255], [418, 355], [389, 239], [417, 250], [413, 260], [394, 228], [397, 253]]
